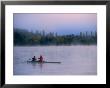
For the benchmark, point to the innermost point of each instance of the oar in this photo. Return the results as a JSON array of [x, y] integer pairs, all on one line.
[[29, 59]]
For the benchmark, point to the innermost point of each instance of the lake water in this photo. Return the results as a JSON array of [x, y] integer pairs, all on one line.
[[75, 60]]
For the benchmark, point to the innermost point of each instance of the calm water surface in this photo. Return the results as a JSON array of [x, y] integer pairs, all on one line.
[[75, 60]]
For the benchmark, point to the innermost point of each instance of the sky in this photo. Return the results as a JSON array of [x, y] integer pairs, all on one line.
[[62, 23]]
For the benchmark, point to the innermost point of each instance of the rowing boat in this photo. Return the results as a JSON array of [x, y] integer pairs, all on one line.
[[42, 62]]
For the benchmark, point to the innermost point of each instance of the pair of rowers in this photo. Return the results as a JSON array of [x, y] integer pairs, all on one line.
[[40, 59]]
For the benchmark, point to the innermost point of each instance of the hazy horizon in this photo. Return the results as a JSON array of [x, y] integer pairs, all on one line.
[[66, 23]]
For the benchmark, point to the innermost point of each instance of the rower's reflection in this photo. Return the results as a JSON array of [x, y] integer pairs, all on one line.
[[34, 65], [40, 65]]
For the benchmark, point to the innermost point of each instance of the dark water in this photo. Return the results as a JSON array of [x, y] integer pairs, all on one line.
[[75, 60]]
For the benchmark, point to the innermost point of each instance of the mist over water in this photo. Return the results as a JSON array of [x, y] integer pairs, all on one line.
[[75, 60]]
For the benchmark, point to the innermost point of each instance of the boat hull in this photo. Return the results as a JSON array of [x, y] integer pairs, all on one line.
[[41, 62]]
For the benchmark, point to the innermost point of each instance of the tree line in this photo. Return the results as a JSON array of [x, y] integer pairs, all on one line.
[[24, 37]]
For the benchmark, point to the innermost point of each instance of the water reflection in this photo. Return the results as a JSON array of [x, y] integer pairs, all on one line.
[[34, 65], [40, 65], [74, 60]]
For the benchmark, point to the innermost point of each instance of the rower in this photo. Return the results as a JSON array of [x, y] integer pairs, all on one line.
[[34, 58], [41, 58]]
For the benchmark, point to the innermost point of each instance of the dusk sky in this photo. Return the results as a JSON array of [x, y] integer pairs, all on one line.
[[70, 23]]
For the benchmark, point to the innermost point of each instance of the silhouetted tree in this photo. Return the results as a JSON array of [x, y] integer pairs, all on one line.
[[23, 37]]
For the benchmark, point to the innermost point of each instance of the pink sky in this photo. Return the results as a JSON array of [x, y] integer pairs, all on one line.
[[55, 22]]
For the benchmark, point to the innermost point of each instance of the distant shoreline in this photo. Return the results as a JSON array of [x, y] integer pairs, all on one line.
[[56, 45], [26, 38]]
